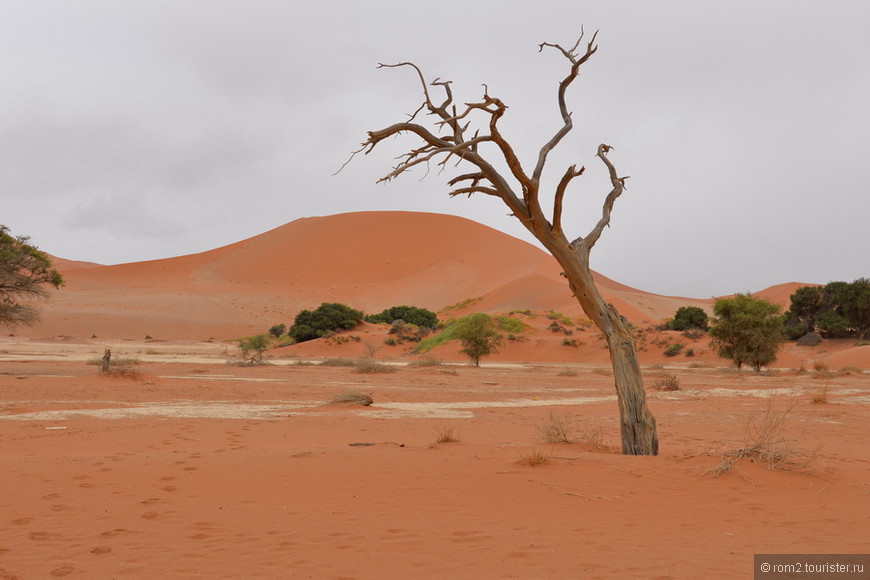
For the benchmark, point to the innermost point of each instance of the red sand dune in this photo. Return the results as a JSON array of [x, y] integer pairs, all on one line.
[[369, 260]]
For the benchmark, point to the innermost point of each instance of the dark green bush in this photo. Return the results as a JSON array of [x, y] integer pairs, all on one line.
[[278, 330], [836, 310], [323, 321], [689, 317], [409, 314]]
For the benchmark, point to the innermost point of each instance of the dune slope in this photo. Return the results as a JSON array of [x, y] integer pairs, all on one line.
[[369, 260]]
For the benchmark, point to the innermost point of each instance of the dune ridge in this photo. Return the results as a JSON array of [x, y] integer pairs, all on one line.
[[369, 260]]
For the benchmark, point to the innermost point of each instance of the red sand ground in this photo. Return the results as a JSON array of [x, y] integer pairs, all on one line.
[[199, 469]]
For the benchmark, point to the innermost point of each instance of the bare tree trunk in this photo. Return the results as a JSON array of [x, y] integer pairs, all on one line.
[[637, 423], [455, 139]]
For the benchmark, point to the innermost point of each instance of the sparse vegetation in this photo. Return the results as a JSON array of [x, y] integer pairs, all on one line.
[[674, 349], [369, 365], [445, 434], [511, 325], [464, 304], [556, 429], [338, 362], [25, 271], [667, 383], [765, 442], [278, 330], [533, 457], [688, 318], [425, 361], [747, 330], [117, 367], [819, 396], [323, 321], [479, 336], [419, 317], [253, 347], [351, 398], [835, 310]]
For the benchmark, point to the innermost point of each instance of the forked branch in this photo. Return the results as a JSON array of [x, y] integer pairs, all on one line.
[[618, 184]]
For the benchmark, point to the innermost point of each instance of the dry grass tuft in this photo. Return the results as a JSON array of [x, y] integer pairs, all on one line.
[[764, 442], [445, 434], [368, 365], [556, 429], [351, 398], [426, 360], [667, 383], [819, 396], [338, 362], [533, 457], [592, 435]]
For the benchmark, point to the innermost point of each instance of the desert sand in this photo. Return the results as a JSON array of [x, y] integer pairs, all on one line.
[[192, 467]]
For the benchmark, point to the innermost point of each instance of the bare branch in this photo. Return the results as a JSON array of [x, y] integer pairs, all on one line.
[[570, 174], [471, 190], [567, 125], [618, 187]]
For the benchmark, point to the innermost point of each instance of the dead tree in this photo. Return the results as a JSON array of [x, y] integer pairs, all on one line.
[[448, 139]]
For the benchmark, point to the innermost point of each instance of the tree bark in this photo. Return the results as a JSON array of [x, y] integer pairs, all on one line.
[[637, 423]]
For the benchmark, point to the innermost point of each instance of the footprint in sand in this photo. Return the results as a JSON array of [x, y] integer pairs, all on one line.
[[65, 571], [100, 550], [114, 533], [150, 515], [40, 536], [21, 521]]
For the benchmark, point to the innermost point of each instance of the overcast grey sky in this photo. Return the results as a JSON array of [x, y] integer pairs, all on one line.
[[139, 130]]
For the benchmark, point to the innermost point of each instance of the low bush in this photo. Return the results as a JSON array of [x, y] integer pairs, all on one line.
[[368, 365], [323, 321], [674, 349], [278, 330], [408, 314], [253, 348], [688, 317], [667, 383]]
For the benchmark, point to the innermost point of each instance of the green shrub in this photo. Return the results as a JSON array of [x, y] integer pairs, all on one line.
[[674, 349], [409, 314], [323, 321], [278, 330], [253, 348], [479, 336], [511, 325], [688, 317], [747, 330]]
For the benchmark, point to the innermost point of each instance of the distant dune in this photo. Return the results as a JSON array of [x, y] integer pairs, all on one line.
[[369, 260]]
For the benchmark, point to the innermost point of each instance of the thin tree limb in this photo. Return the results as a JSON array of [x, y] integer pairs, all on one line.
[[618, 187]]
